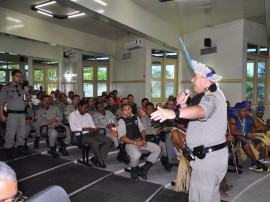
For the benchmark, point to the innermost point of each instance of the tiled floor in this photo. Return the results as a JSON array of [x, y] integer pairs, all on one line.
[[250, 187]]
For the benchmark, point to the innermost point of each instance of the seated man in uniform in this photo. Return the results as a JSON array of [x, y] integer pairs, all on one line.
[[241, 128], [80, 120], [131, 131], [50, 116], [105, 119], [8, 183], [150, 130]]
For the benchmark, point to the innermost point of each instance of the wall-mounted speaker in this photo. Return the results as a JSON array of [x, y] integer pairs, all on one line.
[[207, 42]]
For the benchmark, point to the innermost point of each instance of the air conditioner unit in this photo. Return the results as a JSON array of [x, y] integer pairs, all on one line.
[[69, 52], [138, 43]]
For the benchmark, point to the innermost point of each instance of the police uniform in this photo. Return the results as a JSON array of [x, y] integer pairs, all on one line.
[[207, 173], [132, 127], [101, 121], [43, 115], [13, 96]]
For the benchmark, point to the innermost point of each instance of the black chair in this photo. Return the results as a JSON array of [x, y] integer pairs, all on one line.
[[76, 140]]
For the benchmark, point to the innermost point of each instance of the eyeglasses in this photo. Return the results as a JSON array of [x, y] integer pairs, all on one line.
[[18, 92]]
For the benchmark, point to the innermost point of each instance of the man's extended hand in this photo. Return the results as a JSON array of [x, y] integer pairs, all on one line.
[[162, 114]]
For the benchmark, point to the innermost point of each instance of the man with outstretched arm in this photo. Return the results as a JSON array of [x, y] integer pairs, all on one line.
[[205, 133]]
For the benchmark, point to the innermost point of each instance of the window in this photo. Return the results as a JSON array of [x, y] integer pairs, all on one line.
[[6, 69], [95, 75], [164, 75], [45, 74], [256, 82]]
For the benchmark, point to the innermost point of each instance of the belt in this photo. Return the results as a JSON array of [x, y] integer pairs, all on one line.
[[215, 147], [16, 112]]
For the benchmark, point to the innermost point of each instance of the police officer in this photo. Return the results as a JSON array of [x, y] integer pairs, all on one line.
[[50, 116], [13, 95], [131, 131], [205, 133]]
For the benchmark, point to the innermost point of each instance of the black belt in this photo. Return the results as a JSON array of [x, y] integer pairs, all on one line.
[[201, 151], [215, 148], [16, 112]]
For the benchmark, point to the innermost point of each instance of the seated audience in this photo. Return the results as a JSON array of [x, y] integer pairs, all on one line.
[[80, 120]]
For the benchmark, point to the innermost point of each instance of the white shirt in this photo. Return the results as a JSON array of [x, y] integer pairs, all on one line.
[[77, 121]]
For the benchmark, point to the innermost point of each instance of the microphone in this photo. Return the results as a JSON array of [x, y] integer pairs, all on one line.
[[186, 91]]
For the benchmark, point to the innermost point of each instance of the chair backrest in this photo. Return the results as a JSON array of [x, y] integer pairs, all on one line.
[[53, 194], [172, 157]]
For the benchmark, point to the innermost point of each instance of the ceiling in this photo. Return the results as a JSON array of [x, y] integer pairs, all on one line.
[[184, 15]]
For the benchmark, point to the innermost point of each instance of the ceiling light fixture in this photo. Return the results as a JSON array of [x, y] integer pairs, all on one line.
[[101, 2], [44, 13], [76, 15], [46, 3]]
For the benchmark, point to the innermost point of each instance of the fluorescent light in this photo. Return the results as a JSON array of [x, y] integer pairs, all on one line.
[[14, 20], [76, 15], [101, 11], [45, 4], [44, 13], [40, 9], [101, 2]]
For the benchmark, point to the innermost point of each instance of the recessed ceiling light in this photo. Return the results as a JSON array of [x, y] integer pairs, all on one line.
[[101, 2]]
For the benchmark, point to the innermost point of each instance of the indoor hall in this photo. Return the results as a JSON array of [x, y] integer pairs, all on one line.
[[133, 46]]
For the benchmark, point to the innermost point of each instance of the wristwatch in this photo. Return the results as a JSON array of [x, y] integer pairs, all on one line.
[[177, 113]]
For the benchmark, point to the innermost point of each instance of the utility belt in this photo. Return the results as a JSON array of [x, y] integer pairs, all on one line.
[[201, 151], [16, 112]]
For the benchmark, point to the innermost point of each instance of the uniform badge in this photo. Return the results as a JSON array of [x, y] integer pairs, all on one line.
[[207, 99]]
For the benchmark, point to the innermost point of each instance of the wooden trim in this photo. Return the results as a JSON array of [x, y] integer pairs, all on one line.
[[222, 81], [129, 81]]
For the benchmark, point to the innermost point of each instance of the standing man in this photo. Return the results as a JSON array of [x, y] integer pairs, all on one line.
[[205, 133], [13, 95]]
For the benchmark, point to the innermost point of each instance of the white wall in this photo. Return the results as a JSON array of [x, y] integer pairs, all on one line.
[[228, 62]]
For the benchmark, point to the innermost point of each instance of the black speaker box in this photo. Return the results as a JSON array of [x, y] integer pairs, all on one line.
[[207, 42]]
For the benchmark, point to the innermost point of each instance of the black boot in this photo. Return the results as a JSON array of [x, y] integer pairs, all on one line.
[[134, 173], [63, 149], [22, 150], [144, 169], [25, 146], [165, 162], [10, 153], [36, 143], [122, 155], [53, 152]]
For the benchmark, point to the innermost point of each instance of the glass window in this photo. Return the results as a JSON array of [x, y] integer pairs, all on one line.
[[3, 65], [170, 71], [13, 66], [264, 51], [156, 89], [249, 90], [156, 69], [102, 73], [38, 75], [52, 75], [88, 73], [157, 53], [252, 49], [260, 90], [171, 55], [88, 89], [250, 69], [261, 69], [101, 87], [3, 76], [102, 59], [169, 89]]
